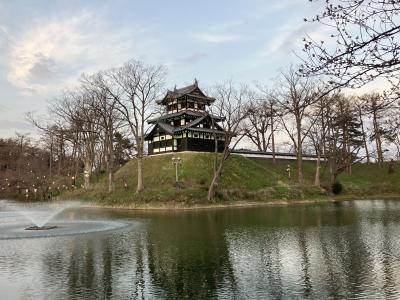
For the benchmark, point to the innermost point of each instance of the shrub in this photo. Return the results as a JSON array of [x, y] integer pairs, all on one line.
[[337, 188]]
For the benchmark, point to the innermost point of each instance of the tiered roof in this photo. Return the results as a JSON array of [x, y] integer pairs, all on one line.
[[184, 113], [192, 90], [196, 117], [191, 126]]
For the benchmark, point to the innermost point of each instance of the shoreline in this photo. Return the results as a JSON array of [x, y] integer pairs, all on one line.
[[171, 206]]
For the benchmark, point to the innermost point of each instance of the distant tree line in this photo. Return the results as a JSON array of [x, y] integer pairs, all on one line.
[[24, 169]]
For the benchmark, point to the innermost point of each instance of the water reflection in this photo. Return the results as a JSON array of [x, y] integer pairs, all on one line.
[[349, 250]]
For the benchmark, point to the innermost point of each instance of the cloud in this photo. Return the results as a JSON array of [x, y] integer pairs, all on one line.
[[379, 84], [281, 5], [5, 36], [288, 39], [261, 9], [53, 53], [3, 30], [217, 38], [44, 68], [3, 108], [219, 33], [195, 57]]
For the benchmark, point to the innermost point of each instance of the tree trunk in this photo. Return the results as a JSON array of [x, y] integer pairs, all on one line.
[[317, 181], [59, 160], [215, 146], [51, 160], [110, 181], [264, 142], [273, 136], [299, 154], [332, 156], [350, 160], [110, 163], [215, 181], [364, 138], [87, 172], [378, 140], [345, 151], [140, 186], [89, 159]]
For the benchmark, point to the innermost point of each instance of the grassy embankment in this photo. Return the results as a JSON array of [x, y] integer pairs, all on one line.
[[244, 179]]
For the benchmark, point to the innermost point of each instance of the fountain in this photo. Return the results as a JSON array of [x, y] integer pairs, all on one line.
[[41, 227], [39, 213], [44, 219]]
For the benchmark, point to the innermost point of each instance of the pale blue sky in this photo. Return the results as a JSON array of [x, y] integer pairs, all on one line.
[[46, 45]]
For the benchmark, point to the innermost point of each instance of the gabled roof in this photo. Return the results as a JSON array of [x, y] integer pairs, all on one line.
[[192, 90], [167, 127], [189, 126], [206, 130], [191, 113], [186, 90]]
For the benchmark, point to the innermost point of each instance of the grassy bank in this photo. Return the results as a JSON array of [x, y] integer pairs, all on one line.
[[244, 180], [365, 180]]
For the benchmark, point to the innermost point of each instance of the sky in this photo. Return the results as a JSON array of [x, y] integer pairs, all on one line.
[[46, 45]]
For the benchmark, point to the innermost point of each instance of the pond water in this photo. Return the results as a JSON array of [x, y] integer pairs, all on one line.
[[326, 251]]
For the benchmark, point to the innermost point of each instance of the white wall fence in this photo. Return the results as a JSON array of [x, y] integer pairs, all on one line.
[[268, 155]]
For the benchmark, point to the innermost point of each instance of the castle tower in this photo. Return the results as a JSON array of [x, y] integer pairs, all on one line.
[[186, 126]]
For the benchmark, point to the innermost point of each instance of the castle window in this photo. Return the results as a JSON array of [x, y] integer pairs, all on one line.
[[196, 135], [162, 137]]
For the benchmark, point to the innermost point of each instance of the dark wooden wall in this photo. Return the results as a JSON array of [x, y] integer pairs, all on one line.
[[190, 144]]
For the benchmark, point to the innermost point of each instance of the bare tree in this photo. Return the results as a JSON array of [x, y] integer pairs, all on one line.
[[363, 43], [230, 104], [258, 124], [55, 128], [379, 108], [23, 141], [108, 117], [344, 137], [136, 87], [296, 95], [319, 128], [271, 109], [360, 108], [395, 129], [76, 109]]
